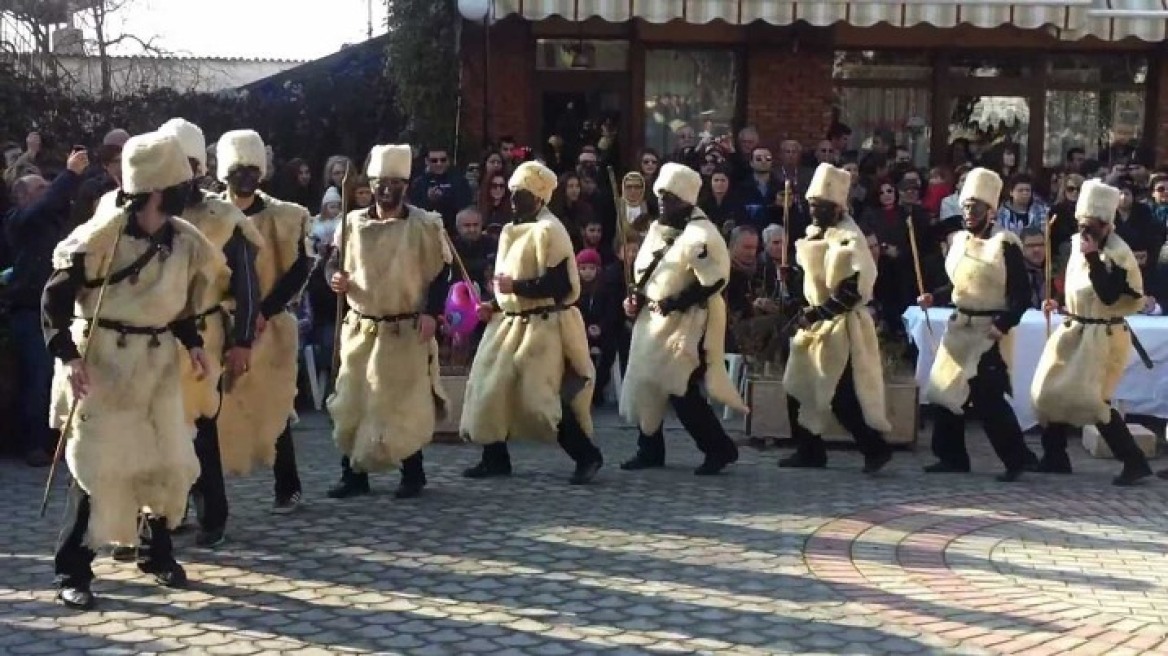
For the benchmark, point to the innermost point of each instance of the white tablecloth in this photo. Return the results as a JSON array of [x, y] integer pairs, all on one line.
[[1142, 391]]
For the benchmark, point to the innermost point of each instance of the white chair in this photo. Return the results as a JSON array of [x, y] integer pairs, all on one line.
[[736, 368]]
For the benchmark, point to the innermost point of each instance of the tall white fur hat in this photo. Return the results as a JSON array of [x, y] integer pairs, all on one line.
[[190, 136], [152, 162], [241, 148], [1097, 201], [390, 162], [830, 184], [679, 180], [982, 184], [536, 178]]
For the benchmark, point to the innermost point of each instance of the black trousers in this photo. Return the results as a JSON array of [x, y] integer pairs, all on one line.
[[571, 438], [284, 470], [1115, 433], [987, 395], [699, 420], [210, 486], [73, 562], [617, 345], [413, 472], [845, 405]]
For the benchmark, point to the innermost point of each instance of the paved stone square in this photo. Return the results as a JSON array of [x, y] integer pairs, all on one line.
[[758, 561]]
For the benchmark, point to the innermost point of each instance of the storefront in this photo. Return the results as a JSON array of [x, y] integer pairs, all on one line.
[[1047, 76]]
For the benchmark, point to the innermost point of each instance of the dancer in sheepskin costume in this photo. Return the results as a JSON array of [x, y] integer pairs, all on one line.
[[254, 421], [227, 322], [388, 393], [834, 367], [991, 291], [130, 447], [1085, 357], [679, 329], [532, 375]]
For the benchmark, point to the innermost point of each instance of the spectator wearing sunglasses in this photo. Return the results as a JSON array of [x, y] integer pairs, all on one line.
[[439, 189]]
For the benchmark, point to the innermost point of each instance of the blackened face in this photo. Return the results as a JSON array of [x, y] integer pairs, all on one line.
[[674, 207], [174, 199], [390, 192], [243, 181], [975, 214], [524, 203], [824, 213]]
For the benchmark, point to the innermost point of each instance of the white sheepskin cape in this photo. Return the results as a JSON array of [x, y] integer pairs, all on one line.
[[1082, 364], [388, 395], [820, 353], [130, 447], [514, 388], [977, 270], [666, 349], [259, 405]]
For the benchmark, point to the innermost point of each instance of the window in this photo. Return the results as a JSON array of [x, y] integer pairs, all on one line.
[[1095, 103], [581, 55], [883, 91], [691, 93]]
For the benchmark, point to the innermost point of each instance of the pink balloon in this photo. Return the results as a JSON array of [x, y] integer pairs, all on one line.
[[460, 311]]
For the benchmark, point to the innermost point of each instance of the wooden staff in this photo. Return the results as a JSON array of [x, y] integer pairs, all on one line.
[[461, 268], [916, 256], [339, 243], [786, 239], [621, 235], [86, 350], [1050, 219]]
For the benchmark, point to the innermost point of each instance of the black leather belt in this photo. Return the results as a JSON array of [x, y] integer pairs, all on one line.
[[980, 313], [124, 329], [543, 312], [1114, 321], [388, 318]]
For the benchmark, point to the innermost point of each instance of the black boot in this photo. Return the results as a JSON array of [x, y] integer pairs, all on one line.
[[1119, 439], [650, 452], [718, 460], [76, 598], [352, 483], [1133, 472], [874, 462], [496, 461], [586, 470], [413, 478], [810, 451], [1054, 450], [942, 467]]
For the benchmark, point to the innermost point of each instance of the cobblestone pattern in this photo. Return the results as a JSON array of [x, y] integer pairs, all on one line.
[[758, 561]]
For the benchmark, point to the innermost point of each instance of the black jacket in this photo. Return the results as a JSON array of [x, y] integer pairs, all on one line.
[[33, 233]]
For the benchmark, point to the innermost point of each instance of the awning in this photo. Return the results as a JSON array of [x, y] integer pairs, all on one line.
[[1112, 20], [1064, 14]]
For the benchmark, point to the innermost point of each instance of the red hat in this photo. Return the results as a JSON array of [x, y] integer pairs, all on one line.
[[588, 256]]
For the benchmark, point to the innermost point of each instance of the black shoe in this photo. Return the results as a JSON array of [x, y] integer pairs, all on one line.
[[1053, 466], [714, 465], [1132, 474], [124, 554], [287, 505], [759, 443], [408, 490], [347, 487], [586, 471], [76, 598], [875, 463], [1031, 462], [209, 539], [941, 467], [176, 577], [643, 461], [1010, 475], [487, 470], [799, 460]]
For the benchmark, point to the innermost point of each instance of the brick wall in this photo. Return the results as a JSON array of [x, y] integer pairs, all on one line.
[[510, 84], [789, 94]]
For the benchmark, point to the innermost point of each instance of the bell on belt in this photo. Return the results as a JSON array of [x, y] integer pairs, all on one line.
[[371, 329]]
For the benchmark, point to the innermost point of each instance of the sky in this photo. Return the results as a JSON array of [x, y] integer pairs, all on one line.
[[274, 29]]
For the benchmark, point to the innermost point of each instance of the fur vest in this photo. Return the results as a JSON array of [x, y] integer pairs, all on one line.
[[130, 447], [388, 392], [516, 379], [1082, 364], [666, 349], [257, 408], [820, 353], [977, 269]]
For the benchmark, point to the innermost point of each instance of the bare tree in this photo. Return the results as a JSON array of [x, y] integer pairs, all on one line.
[[107, 37]]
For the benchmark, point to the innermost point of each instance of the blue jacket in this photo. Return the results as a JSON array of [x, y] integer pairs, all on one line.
[[33, 232]]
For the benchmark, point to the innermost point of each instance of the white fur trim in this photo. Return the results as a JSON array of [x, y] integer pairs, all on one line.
[[390, 162], [241, 148], [830, 184], [679, 180], [1097, 201], [536, 178], [984, 185], [190, 136], [153, 162]]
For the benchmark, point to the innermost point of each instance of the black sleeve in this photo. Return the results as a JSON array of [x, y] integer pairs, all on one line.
[[187, 332], [57, 302], [245, 287], [692, 295], [288, 285], [1109, 285], [553, 284], [436, 294], [845, 297], [1017, 289]]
